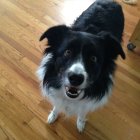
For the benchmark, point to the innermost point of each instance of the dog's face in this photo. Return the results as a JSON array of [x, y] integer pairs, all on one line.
[[77, 58]]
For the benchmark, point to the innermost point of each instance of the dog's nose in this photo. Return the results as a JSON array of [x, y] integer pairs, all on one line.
[[75, 79]]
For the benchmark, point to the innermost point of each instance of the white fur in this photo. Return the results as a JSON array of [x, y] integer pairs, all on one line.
[[77, 107], [80, 125], [41, 70], [52, 116], [70, 106]]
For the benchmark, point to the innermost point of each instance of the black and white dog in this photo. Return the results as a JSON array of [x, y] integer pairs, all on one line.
[[77, 69]]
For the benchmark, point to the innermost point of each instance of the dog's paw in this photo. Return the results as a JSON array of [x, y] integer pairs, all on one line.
[[52, 117], [81, 125]]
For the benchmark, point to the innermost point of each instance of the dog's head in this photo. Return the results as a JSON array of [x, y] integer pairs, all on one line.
[[77, 59]]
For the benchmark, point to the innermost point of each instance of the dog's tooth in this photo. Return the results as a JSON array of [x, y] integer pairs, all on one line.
[[71, 93], [79, 91], [67, 88]]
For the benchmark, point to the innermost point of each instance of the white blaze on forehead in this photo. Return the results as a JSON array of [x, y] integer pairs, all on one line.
[[46, 59], [77, 68]]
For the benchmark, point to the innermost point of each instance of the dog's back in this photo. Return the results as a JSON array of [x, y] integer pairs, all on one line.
[[103, 15]]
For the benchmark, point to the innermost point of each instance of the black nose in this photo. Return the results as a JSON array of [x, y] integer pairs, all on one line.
[[75, 79]]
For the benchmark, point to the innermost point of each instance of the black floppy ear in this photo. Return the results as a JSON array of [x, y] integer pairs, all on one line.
[[113, 47], [55, 35]]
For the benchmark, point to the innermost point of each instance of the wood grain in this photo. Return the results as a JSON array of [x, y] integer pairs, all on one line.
[[135, 37], [23, 111]]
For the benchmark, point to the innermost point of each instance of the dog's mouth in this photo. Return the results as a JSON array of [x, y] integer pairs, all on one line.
[[72, 92]]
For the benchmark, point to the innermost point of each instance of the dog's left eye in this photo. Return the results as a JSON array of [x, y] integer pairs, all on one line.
[[67, 53], [93, 58]]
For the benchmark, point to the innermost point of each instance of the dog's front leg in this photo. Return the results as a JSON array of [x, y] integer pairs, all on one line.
[[53, 115], [81, 121]]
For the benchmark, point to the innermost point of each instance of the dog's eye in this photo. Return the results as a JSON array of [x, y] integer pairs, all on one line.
[[67, 53], [93, 58]]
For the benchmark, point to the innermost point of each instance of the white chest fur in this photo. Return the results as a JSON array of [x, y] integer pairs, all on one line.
[[73, 107]]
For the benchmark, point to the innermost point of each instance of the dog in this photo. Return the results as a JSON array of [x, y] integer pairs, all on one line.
[[77, 70]]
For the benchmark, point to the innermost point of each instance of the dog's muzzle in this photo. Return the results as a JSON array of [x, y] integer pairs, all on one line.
[[75, 80]]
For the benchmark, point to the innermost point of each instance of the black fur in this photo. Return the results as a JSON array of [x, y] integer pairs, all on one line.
[[103, 15], [98, 31]]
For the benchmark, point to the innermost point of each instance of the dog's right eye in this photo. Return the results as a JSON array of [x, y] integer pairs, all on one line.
[[93, 58], [67, 53]]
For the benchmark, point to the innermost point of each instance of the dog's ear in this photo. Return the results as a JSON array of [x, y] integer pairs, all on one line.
[[55, 35], [112, 46]]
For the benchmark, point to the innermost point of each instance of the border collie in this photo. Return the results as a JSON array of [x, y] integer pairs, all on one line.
[[77, 69]]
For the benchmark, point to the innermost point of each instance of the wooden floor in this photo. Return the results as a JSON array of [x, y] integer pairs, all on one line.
[[23, 111]]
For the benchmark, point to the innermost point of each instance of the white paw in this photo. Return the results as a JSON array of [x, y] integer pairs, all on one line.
[[52, 117], [81, 125]]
